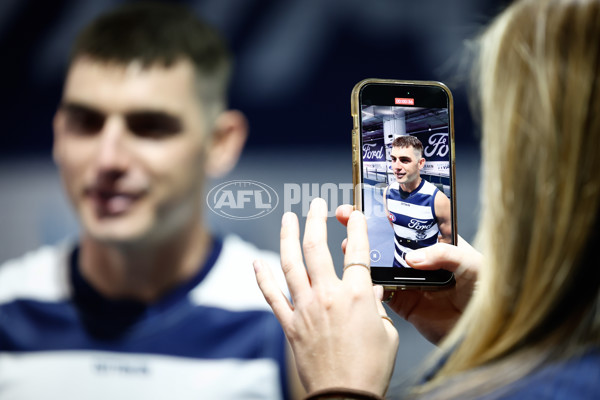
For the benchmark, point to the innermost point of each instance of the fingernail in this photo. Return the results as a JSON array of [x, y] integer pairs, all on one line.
[[355, 214], [316, 202], [346, 211], [378, 291], [286, 219], [318, 207], [257, 264], [416, 256]]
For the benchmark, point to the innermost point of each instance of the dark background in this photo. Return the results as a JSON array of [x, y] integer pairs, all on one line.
[[296, 60]]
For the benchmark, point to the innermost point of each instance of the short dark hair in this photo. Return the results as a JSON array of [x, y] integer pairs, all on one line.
[[408, 141], [157, 33]]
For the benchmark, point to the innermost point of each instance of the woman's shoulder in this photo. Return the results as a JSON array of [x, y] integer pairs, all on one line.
[[575, 378]]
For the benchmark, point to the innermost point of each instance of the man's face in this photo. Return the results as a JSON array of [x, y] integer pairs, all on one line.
[[406, 164], [129, 146]]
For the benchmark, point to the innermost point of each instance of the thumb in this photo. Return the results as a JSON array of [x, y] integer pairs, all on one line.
[[438, 256], [342, 213]]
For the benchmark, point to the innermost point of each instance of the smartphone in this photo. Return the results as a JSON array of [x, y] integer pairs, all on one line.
[[404, 175]]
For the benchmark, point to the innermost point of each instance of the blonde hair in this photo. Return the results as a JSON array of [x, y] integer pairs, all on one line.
[[538, 295]]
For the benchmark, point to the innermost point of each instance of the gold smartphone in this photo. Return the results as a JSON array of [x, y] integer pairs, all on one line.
[[404, 175]]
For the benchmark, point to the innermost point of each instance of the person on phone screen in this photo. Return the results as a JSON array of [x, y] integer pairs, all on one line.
[[147, 303], [417, 210]]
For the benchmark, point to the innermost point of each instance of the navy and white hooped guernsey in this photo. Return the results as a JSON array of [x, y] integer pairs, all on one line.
[[214, 337], [413, 218]]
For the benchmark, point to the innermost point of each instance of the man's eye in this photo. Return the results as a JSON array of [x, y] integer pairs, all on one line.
[[84, 121], [153, 125]]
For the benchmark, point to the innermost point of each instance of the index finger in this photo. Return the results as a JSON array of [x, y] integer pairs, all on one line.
[[319, 263], [291, 256], [357, 249]]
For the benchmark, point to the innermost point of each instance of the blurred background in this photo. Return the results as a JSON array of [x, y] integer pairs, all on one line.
[[296, 64]]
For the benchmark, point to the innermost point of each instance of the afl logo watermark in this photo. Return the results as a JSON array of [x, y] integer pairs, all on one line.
[[242, 199]]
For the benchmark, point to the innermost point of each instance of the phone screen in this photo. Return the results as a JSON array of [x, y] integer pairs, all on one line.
[[406, 176]]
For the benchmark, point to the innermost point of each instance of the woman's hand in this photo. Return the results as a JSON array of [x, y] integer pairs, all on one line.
[[338, 329], [434, 313]]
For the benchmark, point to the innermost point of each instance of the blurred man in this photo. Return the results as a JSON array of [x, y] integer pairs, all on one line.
[[148, 303], [418, 212]]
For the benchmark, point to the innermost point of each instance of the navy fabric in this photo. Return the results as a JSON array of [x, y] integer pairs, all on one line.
[[421, 232], [181, 331], [577, 378], [173, 326]]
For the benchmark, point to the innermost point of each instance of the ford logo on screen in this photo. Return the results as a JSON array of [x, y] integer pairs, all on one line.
[[242, 199]]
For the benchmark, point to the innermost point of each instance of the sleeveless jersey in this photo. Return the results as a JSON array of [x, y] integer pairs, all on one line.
[[413, 218], [213, 337]]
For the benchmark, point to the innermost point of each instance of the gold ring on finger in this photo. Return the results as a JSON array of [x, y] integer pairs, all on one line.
[[351, 264]]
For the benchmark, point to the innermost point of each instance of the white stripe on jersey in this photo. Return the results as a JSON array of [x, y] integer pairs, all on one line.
[[234, 271], [410, 210], [38, 275], [43, 275], [134, 377], [411, 234]]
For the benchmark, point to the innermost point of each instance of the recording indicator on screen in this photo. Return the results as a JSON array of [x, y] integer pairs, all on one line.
[[404, 101]]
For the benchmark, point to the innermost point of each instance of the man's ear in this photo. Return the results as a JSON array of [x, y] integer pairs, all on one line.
[[421, 163], [228, 139]]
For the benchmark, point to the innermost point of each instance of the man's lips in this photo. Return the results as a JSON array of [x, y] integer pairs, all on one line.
[[112, 203]]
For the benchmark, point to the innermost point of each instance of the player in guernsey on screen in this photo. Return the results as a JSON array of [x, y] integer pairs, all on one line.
[[418, 212]]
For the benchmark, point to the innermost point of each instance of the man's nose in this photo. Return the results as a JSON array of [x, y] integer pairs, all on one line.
[[113, 152]]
